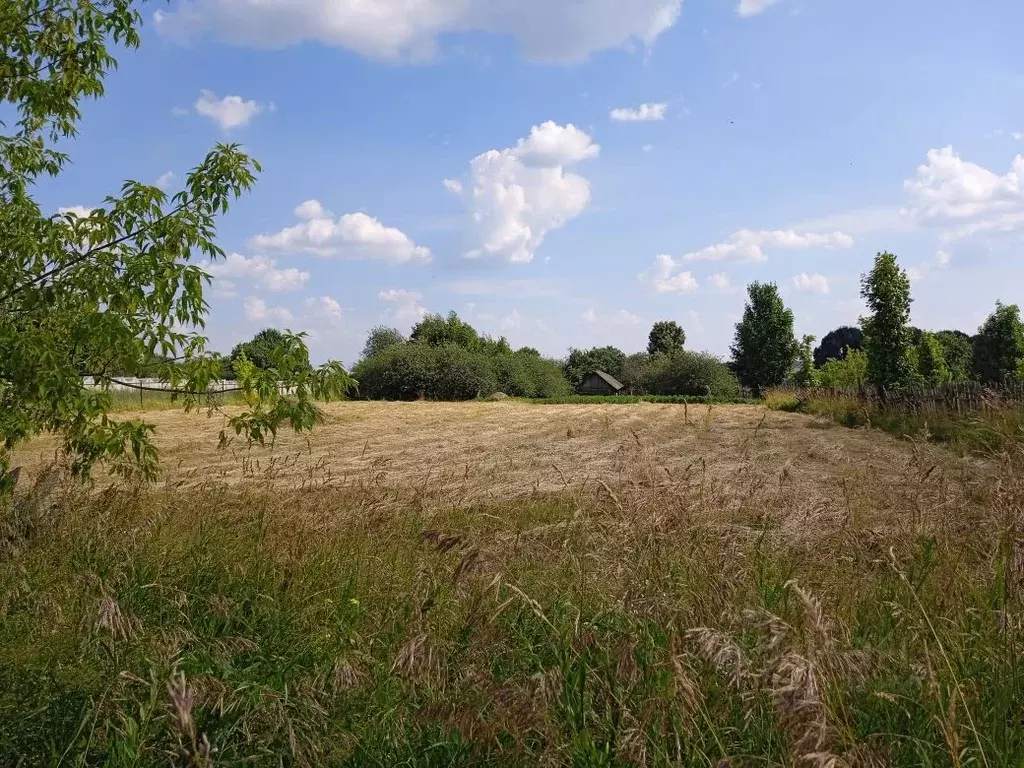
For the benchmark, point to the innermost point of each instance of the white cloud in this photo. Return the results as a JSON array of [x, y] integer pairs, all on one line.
[[641, 114], [511, 321], [622, 317], [748, 8], [180, 111], [257, 309], [453, 185], [667, 276], [259, 269], [323, 309], [225, 289], [79, 211], [748, 245], [229, 112], [311, 209], [165, 180], [516, 196], [1017, 135], [811, 283], [351, 236], [721, 281], [405, 29], [940, 260], [408, 310], [947, 187], [589, 315]]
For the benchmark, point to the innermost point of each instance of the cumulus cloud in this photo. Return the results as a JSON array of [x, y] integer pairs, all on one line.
[[79, 211], [948, 187], [721, 281], [256, 309], [407, 308], [404, 30], [320, 309], [748, 8], [351, 236], [811, 283], [260, 270], [228, 112], [511, 321], [165, 180], [667, 276], [515, 196], [749, 245], [643, 113]]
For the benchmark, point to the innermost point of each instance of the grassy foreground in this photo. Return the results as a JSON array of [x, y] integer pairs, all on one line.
[[631, 625]]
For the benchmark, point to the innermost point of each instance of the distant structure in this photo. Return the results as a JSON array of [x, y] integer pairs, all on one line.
[[601, 383]]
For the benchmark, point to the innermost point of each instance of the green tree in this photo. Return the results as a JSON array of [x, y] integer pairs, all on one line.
[[999, 345], [931, 361], [117, 289], [381, 337], [837, 343], [437, 331], [262, 350], [764, 348], [806, 374], [887, 339], [582, 362], [666, 337], [849, 373], [958, 352]]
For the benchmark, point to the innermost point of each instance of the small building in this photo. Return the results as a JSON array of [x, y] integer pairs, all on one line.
[[601, 383]]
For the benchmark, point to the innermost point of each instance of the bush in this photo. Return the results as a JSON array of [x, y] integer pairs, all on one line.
[[415, 371], [694, 374]]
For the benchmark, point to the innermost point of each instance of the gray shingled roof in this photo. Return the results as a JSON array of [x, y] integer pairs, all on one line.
[[611, 380]]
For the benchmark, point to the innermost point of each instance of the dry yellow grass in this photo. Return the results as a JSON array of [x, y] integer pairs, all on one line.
[[451, 454]]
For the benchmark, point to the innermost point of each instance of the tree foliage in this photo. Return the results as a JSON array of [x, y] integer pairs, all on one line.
[[834, 344], [999, 345], [849, 373], [958, 352], [764, 347], [380, 338], [439, 330], [582, 362], [262, 350], [806, 374], [688, 373], [666, 337], [931, 361], [117, 289], [887, 339]]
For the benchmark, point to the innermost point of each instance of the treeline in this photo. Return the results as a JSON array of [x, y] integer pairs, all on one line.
[[445, 358]]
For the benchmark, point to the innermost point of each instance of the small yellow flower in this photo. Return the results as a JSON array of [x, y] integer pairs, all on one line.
[[354, 601]]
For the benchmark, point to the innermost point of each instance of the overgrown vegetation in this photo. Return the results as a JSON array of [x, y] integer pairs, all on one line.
[[652, 620]]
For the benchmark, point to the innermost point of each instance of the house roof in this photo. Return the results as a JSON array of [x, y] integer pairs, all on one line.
[[610, 380]]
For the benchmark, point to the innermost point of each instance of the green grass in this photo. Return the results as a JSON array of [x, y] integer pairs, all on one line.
[[145, 400], [355, 627], [986, 432], [633, 399]]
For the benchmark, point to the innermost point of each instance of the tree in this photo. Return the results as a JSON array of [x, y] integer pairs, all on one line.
[[764, 348], [806, 374], [849, 373], [666, 337], [583, 362], [116, 289], [931, 361], [381, 337], [262, 350], [958, 352], [437, 331], [887, 339], [835, 344], [999, 345]]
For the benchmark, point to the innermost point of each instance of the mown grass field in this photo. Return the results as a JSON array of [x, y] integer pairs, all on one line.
[[501, 584]]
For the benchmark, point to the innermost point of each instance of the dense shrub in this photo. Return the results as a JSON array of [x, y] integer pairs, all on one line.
[[696, 374], [415, 371]]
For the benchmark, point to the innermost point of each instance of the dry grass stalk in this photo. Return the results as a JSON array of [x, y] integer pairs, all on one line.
[[193, 747]]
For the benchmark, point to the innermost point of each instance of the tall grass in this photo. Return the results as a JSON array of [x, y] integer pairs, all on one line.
[[123, 400], [659, 620], [996, 426]]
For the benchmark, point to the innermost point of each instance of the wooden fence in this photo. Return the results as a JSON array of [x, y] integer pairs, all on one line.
[[967, 398]]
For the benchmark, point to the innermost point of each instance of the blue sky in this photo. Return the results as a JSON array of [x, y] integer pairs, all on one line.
[[566, 172]]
